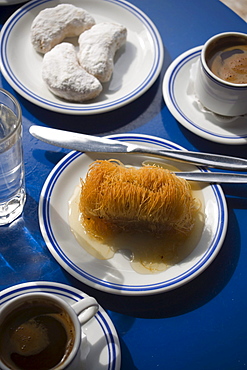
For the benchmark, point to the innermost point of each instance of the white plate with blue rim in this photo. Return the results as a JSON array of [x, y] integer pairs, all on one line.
[[182, 105], [116, 274], [143, 52], [106, 354]]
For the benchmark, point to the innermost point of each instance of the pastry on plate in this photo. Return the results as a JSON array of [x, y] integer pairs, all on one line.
[[97, 48], [148, 199], [64, 76], [52, 25]]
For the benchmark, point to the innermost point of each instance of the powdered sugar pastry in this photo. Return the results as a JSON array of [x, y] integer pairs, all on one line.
[[52, 25], [97, 48], [65, 77]]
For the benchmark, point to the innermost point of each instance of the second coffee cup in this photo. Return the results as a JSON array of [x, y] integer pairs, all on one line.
[[221, 79]]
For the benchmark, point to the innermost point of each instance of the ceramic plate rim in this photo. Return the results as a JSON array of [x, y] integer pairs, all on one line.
[[111, 287], [91, 108], [169, 95], [65, 291]]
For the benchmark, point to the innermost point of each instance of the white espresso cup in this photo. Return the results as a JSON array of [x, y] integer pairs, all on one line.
[[43, 329], [221, 78]]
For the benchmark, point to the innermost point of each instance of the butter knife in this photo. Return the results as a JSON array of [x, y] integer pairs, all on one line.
[[88, 143]]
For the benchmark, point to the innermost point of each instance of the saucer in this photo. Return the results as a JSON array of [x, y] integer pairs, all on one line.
[[183, 107], [102, 339]]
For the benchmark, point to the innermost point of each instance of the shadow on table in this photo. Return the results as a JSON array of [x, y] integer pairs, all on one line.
[[102, 123], [23, 254], [204, 145], [126, 360]]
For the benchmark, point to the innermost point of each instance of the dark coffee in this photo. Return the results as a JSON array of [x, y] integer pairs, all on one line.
[[227, 59], [37, 335]]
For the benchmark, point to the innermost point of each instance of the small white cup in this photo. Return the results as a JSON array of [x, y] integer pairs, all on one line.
[[79, 313], [220, 96]]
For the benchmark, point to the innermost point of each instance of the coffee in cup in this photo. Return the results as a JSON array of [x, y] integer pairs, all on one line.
[[221, 78], [36, 335], [227, 59], [40, 331]]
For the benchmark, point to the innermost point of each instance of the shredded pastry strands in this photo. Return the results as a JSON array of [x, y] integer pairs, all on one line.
[[118, 198]]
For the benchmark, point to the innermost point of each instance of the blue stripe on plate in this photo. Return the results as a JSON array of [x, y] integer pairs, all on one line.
[[130, 288]]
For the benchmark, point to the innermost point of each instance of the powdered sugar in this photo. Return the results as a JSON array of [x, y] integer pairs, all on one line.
[[64, 76], [70, 75], [52, 25], [97, 47]]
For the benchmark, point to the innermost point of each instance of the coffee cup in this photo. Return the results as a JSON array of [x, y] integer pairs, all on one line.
[[42, 331], [221, 77]]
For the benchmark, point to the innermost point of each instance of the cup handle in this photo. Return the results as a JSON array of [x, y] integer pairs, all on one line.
[[85, 309]]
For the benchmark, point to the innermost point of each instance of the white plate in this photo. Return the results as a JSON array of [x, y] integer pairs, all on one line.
[[136, 67], [184, 109], [116, 274], [105, 352]]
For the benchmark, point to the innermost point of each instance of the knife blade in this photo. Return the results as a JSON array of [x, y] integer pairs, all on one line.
[[88, 143], [214, 177]]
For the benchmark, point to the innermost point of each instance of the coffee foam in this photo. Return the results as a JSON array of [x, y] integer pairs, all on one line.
[[32, 332], [231, 64], [29, 338]]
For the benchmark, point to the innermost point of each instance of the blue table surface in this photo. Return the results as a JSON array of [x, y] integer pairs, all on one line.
[[201, 325]]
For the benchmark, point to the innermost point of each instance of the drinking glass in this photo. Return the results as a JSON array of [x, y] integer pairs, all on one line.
[[12, 178]]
